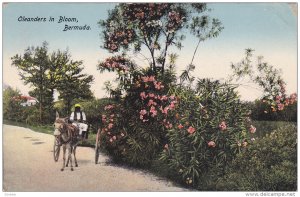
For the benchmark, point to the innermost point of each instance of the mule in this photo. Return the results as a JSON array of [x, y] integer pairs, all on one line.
[[68, 136]]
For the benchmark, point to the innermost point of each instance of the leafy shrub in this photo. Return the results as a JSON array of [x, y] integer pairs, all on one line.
[[135, 127], [92, 109], [12, 109], [270, 164], [262, 111], [266, 127], [210, 127]]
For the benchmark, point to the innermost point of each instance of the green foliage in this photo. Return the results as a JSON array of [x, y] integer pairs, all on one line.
[[134, 127], [157, 27], [270, 164], [267, 77], [209, 128], [67, 77], [12, 109], [92, 109], [266, 127], [260, 111], [33, 66], [45, 72]]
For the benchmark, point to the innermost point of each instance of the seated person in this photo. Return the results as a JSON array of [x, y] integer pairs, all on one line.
[[78, 118]]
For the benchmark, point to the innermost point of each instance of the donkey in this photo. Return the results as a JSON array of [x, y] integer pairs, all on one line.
[[68, 137]]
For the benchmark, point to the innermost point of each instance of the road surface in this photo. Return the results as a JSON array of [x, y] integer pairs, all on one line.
[[28, 166]]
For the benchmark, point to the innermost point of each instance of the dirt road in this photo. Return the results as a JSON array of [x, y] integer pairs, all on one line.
[[28, 165]]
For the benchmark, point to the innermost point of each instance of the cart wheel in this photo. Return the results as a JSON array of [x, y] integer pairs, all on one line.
[[56, 150], [97, 152]]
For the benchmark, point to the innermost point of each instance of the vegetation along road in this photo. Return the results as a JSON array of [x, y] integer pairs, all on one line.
[[29, 166]]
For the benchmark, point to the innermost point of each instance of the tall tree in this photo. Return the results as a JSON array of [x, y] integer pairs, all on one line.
[[66, 76], [45, 73], [33, 67], [156, 27]]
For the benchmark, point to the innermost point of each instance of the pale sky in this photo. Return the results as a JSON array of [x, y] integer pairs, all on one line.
[[268, 28]]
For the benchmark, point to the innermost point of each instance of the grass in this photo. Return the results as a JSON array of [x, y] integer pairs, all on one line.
[[48, 129]]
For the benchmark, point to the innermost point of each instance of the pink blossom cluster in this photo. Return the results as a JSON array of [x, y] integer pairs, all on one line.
[[190, 129], [163, 100], [109, 122], [167, 124], [116, 63], [175, 20], [108, 107], [280, 101], [144, 12], [223, 126], [252, 129], [155, 103], [118, 37], [211, 144]]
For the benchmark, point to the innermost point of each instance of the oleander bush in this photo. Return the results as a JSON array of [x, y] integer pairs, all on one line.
[[270, 164], [211, 126]]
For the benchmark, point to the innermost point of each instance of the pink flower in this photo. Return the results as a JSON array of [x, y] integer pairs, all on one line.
[[151, 95], [153, 111], [169, 125], [172, 97], [278, 97], [191, 130], [145, 79], [103, 119], [151, 102], [211, 144], [143, 112], [164, 98], [245, 144], [111, 140], [280, 106], [151, 78], [180, 126], [166, 146], [293, 96], [222, 126], [114, 137], [287, 102], [172, 105], [113, 47], [143, 95], [252, 139], [252, 129], [110, 125], [157, 85], [165, 111], [107, 107], [113, 115], [122, 134]]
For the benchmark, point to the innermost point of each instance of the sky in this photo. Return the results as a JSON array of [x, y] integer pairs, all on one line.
[[268, 28]]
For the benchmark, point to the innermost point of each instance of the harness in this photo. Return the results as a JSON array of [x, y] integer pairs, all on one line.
[[70, 130]]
